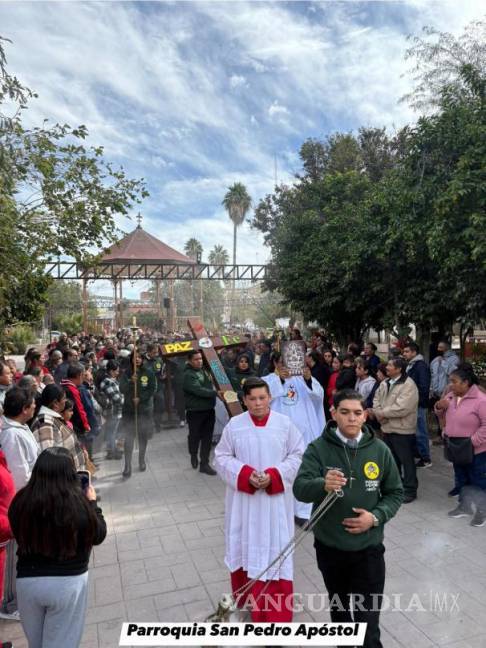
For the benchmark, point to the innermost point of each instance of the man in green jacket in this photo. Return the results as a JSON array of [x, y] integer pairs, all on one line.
[[349, 537], [200, 397]]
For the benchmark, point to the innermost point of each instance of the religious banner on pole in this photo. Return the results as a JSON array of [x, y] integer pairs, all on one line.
[[293, 356]]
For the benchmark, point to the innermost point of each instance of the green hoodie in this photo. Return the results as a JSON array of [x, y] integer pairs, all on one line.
[[199, 393], [376, 486]]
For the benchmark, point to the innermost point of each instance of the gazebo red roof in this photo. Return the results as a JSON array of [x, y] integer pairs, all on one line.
[[141, 247]]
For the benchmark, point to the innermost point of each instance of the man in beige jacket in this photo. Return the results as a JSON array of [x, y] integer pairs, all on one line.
[[395, 406]]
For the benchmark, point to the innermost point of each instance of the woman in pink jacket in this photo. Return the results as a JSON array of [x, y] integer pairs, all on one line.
[[7, 491], [465, 440]]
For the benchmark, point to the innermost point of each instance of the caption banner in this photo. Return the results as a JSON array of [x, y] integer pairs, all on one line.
[[242, 634]]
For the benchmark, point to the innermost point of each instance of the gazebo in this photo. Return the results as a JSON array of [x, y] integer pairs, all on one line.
[[138, 247]]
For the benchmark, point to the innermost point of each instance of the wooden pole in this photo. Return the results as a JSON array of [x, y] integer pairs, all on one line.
[[121, 303], [115, 305], [201, 303], [134, 378], [85, 306], [172, 308], [158, 299]]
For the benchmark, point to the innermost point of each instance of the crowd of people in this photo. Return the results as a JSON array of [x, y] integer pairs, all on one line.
[[83, 393]]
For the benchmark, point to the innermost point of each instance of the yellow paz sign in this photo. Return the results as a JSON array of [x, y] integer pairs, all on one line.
[[184, 346]]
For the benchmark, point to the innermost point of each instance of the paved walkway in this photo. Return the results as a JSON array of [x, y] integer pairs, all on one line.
[[163, 558]]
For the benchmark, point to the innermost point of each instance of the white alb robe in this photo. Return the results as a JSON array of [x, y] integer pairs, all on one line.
[[305, 407], [258, 526], [221, 419]]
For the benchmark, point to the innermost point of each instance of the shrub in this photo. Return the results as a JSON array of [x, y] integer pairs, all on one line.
[[17, 339]]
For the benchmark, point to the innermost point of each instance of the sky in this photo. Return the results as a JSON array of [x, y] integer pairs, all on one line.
[[194, 96]]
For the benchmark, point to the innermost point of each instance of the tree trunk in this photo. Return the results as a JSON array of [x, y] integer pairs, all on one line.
[[464, 332], [234, 281], [423, 339]]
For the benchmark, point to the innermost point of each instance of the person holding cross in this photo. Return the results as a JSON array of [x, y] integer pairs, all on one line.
[[200, 397]]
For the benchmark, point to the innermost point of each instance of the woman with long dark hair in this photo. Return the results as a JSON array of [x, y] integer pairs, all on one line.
[[465, 441], [55, 524]]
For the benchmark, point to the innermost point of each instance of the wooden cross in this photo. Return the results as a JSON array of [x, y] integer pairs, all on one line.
[[208, 346]]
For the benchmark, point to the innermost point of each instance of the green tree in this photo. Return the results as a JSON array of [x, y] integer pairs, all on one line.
[[438, 62], [323, 237], [193, 248], [218, 255], [441, 202], [58, 196], [383, 231], [237, 203], [65, 299], [213, 301]]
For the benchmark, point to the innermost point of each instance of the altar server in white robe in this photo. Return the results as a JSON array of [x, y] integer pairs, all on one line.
[[301, 398], [258, 458]]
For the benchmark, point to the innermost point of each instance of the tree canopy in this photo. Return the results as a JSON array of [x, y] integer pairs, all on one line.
[[58, 196], [381, 231]]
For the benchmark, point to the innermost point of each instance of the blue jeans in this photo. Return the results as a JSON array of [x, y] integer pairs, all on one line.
[[422, 434], [472, 478], [111, 429]]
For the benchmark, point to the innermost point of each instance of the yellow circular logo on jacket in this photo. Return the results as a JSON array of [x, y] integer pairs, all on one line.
[[371, 470], [144, 380]]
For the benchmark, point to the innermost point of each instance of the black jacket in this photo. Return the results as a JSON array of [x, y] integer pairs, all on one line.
[[321, 373], [32, 565], [346, 378], [419, 372]]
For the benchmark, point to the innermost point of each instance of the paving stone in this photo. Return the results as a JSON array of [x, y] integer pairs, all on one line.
[[163, 559], [453, 630], [90, 637], [127, 541], [185, 575], [149, 588], [143, 552], [142, 610], [102, 613], [133, 572], [174, 614], [108, 590], [109, 632], [180, 597], [190, 530]]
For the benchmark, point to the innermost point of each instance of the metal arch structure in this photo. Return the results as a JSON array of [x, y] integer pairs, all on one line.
[[133, 270], [147, 271]]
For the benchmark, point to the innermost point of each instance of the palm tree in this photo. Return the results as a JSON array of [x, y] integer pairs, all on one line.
[[237, 202], [194, 249], [218, 255]]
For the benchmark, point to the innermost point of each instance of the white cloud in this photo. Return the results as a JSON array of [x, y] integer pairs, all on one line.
[[277, 109], [237, 81], [165, 88]]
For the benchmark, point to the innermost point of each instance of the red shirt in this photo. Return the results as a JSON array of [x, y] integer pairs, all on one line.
[[260, 422]]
